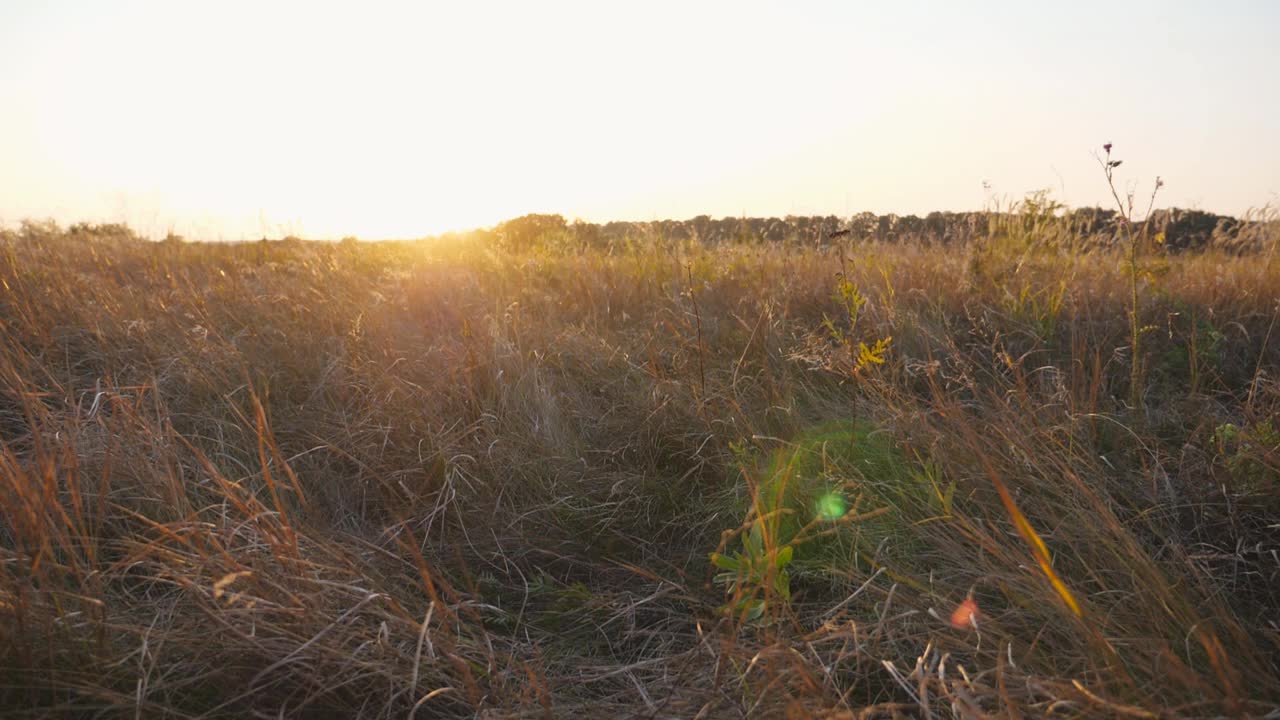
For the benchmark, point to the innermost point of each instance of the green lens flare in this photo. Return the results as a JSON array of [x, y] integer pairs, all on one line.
[[831, 506]]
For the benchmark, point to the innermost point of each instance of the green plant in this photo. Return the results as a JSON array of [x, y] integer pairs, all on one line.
[[860, 357], [755, 575], [1196, 349], [1133, 244], [807, 508], [1037, 307], [1250, 454], [843, 353], [822, 478]]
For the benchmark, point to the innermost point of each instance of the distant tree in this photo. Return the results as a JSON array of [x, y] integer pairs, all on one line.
[[523, 232], [38, 229], [118, 232], [1193, 229]]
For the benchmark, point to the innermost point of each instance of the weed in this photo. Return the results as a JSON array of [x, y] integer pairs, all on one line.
[[1134, 243]]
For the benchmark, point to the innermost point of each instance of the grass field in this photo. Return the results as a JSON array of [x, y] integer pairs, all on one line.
[[659, 479]]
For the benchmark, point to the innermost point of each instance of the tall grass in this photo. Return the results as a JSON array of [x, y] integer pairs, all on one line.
[[439, 480]]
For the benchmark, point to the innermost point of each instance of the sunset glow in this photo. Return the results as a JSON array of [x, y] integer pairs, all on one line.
[[244, 119], [580, 359]]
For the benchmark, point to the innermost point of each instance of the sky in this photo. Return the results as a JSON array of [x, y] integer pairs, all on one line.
[[230, 120]]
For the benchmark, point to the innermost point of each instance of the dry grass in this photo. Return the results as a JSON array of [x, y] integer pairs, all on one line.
[[392, 479]]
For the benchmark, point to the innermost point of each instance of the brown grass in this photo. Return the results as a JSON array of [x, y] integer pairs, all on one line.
[[391, 479]]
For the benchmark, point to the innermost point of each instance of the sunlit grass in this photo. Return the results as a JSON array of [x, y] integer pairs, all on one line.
[[358, 479]]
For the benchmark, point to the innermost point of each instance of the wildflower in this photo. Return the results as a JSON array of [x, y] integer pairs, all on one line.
[[966, 613], [1107, 147]]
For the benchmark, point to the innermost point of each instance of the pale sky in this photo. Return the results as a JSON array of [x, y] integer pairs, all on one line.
[[242, 119]]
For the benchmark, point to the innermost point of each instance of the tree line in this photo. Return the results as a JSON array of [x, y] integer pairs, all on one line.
[[1035, 218], [1178, 229]]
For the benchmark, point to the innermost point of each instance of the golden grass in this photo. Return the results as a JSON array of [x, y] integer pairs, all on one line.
[[437, 480]]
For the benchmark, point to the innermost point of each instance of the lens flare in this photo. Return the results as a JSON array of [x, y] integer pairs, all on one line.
[[966, 614], [831, 506]]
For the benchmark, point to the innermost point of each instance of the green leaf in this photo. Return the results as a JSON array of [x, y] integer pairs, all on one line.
[[724, 562], [755, 540], [784, 556], [782, 586]]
